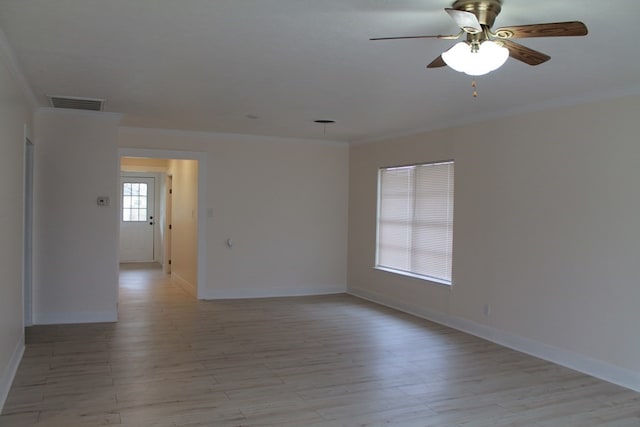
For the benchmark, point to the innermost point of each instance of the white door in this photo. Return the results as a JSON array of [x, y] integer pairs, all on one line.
[[137, 219]]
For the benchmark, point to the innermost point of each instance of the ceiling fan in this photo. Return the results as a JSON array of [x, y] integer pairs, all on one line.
[[485, 50]]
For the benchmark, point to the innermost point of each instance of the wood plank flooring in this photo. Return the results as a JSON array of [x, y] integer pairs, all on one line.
[[330, 361]]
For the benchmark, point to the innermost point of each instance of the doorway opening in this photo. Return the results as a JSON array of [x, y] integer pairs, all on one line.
[[139, 223], [161, 223]]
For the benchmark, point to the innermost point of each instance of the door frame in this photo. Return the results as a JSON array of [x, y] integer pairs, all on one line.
[[201, 157], [168, 217], [27, 260], [157, 178]]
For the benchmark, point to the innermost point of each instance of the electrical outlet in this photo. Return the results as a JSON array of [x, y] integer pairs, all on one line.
[[102, 201], [486, 310]]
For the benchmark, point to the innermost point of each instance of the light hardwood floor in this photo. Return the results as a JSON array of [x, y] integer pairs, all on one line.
[[290, 362]]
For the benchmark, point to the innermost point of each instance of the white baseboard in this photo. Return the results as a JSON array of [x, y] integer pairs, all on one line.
[[187, 286], [272, 292], [67, 318], [10, 372], [576, 361]]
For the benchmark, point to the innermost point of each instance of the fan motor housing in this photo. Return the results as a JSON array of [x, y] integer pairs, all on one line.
[[485, 10]]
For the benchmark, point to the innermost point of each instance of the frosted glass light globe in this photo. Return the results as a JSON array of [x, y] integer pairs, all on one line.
[[489, 57]]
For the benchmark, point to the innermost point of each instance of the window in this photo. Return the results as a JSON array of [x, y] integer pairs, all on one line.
[[415, 220], [134, 201]]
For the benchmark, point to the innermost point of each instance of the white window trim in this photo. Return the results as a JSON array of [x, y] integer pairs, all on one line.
[[377, 266], [415, 276]]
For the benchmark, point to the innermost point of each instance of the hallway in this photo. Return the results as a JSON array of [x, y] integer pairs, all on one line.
[[331, 361]]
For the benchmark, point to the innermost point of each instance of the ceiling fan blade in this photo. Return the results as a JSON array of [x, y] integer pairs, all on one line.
[[450, 37], [524, 54], [465, 20], [437, 63], [554, 29]]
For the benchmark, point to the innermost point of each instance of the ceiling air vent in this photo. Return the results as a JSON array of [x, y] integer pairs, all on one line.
[[76, 103]]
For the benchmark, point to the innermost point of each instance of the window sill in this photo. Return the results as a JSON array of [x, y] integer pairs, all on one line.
[[415, 276]]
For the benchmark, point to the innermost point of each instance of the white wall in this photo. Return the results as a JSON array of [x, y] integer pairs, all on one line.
[[282, 202], [14, 115], [76, 241], [138, 164], [184, 224], [546, 232]]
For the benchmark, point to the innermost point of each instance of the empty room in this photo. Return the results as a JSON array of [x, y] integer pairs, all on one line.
[[300, 213]]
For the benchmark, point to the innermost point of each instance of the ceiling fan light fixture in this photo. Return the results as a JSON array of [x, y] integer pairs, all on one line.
[[489, 57], [458, 56]]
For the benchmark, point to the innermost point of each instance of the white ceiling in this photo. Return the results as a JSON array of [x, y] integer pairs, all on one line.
[[208, 64]]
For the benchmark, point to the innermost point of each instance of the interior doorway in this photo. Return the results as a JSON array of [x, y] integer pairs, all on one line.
[[179, 244]]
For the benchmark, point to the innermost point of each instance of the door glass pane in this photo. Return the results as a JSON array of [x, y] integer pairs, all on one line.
[[134, 201]]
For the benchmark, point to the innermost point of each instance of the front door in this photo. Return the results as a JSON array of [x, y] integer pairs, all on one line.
[[137, 219]]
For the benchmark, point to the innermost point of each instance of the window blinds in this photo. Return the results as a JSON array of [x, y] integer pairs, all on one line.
[[415, 220]]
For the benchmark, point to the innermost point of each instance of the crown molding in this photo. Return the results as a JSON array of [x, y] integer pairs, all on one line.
[[487, 116], [67, 111], [229, 136]]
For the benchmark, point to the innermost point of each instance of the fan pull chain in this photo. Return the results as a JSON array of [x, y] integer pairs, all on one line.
[[474, 85]]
